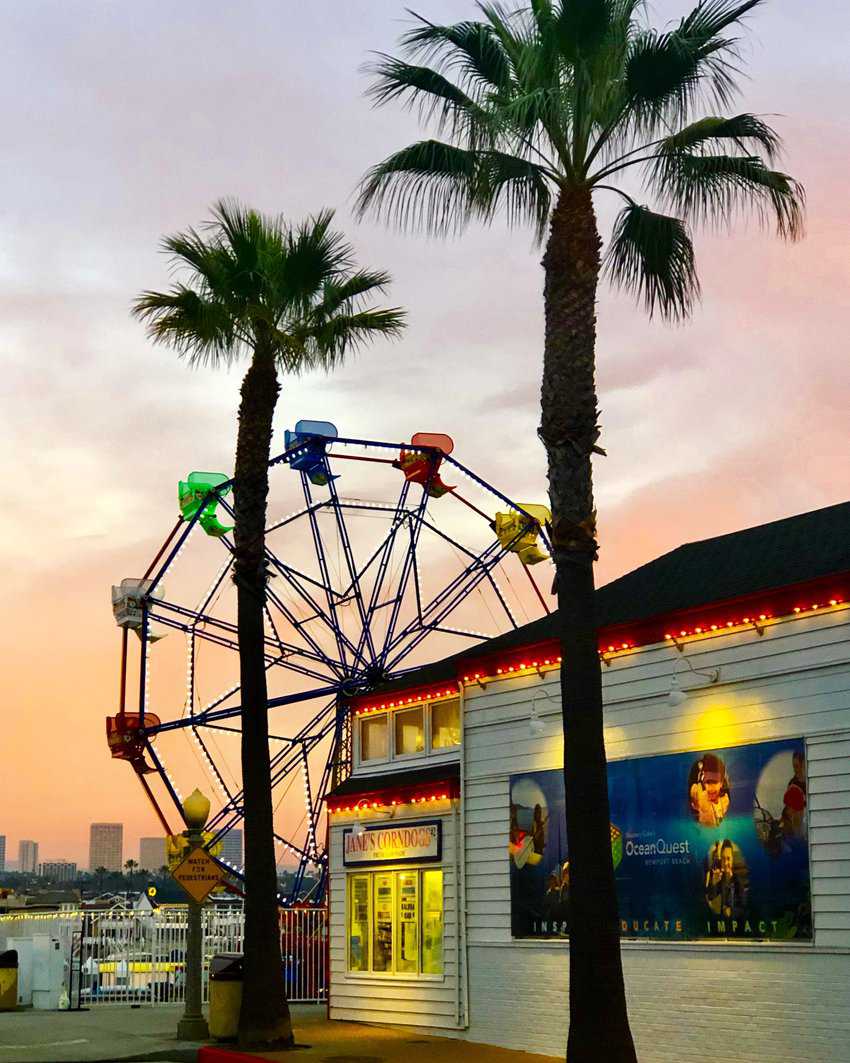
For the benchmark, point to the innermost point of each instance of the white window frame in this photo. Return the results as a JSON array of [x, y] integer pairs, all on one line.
[[404, 758], [391, 869]]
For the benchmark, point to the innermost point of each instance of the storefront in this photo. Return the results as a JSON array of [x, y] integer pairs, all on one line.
[[726, 675], [394, 857]]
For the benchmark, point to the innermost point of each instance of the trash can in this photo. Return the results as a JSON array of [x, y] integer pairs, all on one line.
[[8, 980], [225, 995]]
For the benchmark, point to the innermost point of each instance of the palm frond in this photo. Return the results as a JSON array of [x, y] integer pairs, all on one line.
[[582, 26], [717, 188], [435, 96], [470, 48], [711, 17], [651, 255], [746, 131], [201, 329], [326, 344], [514, 185], [315, 254], [349, 292], [429, 185], [667, 73]]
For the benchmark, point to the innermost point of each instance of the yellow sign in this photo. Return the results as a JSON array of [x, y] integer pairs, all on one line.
[[151, 891], [177, 848], [199, 875]]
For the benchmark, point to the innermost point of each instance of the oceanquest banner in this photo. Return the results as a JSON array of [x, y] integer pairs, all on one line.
[[705, 845]]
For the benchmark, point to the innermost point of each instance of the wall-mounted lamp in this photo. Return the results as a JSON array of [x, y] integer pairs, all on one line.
[[675, 695], [536, 724]]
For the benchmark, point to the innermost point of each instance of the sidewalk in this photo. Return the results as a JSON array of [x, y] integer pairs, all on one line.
[[121, 1033], [103, 1033]]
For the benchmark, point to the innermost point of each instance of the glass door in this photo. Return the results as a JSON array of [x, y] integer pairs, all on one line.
[[407, 958], [382, 940]]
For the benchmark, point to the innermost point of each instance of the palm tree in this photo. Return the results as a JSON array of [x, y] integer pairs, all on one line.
[[540, 110], [130, 867], [101, 873], [289, 299]]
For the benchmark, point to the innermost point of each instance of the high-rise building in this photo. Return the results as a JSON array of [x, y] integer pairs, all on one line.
[[27, 856], [2, 852], [58, 870], [231, 848], [152, 854], [106, 846]]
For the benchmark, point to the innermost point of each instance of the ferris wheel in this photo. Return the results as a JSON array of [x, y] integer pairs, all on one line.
[[378, 567]]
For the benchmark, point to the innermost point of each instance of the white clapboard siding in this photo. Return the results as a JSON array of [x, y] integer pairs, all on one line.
[[426, 1002], [749, 1001]]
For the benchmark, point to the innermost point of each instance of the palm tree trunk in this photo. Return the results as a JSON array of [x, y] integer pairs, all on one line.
[[264, 1018], [599, 1025]]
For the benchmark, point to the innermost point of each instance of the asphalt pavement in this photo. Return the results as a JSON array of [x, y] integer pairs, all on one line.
[[125, 1034]]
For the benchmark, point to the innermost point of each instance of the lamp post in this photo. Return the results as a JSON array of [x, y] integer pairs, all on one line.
[[193, 1025]]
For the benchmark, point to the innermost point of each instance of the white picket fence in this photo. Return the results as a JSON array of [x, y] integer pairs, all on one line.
[[127, 957]]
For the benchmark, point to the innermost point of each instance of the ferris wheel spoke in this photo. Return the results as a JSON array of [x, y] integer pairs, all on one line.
[[222, 784], [354, 586], [282, 764], [300, 626], [318, 545], [290, 576], [226, 626], [447, 601], [166, 778], [308, 800], [284, 661], [416, 529], [344, 645], [384, 552], [497, 590]]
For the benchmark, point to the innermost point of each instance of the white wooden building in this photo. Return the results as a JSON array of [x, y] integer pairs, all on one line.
[[736, 650]]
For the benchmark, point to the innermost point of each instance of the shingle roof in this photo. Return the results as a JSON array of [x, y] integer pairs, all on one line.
[[784, 552]]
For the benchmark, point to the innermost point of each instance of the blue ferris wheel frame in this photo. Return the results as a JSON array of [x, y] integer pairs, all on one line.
[[358, 666]]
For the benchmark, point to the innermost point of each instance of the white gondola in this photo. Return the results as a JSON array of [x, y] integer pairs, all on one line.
[[127, 600]]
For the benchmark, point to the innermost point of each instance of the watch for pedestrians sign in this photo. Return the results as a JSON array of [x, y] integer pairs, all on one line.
[[198, 874]]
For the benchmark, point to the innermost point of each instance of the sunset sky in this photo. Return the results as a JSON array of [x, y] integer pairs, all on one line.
[[124, 122]]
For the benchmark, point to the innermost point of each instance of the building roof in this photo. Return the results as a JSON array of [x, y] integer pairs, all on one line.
[[785, 553]]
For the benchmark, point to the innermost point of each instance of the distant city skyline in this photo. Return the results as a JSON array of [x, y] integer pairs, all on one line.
[[58, 870], [27, 855], [106, 846], [152, 853], [231, 848]]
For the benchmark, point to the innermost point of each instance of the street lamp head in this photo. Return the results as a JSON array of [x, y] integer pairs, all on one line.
[[196, 809]]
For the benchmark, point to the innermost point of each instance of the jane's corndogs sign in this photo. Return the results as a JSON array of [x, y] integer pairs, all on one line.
[[398, 843]]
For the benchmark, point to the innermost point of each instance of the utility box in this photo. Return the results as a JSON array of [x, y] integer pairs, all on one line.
[[226, 970], [49, 972], [8, 980]]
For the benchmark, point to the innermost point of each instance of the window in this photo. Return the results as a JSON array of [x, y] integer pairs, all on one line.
[[445, 724], [432, 922], [382, 936], [373, 738], [409, 731], [358, 923], [395, 922]]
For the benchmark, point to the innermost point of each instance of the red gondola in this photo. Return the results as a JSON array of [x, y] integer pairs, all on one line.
[[422, 467], [127, 739]]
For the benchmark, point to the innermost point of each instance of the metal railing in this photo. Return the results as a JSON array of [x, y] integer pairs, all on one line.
[[129, 957]]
